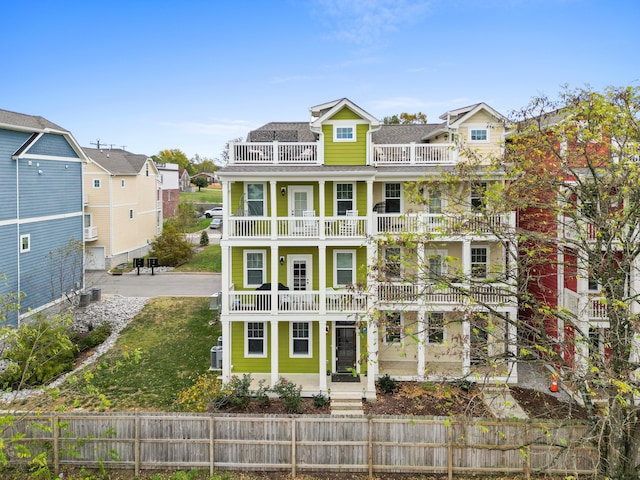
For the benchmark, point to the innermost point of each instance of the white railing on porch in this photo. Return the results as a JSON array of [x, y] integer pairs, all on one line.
[[442, 223], [457, 294], [288, 301], [414, 154], [597, 308], [274, 153], [90, 233], [297, 227]]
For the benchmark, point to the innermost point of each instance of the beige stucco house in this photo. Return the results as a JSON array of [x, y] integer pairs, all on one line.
[[123, 206]]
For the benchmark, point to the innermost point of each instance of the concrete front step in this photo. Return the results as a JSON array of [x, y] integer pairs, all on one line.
[[346, 406]]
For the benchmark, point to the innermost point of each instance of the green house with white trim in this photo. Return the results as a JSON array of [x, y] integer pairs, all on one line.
[[308, 207]]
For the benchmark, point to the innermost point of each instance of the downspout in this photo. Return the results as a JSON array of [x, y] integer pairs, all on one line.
[[18, 263], [370, 142]]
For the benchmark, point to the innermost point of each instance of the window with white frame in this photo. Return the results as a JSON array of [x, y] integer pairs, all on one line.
[[300, 339], [254, 272], [392, 197], [255, 339], [478, 193], [392, 262], [131, 214], [479, 262], [87, 220], [344, 268], [392, 327], [96, 183], [435, 327], [344, 132], [344, 198], [256, 198], [478, 135], [25, 243], [436, 264], [433, 199]]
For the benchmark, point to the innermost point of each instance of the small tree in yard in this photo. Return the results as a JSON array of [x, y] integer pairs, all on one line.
[[200, 182], [171, 248], [571, 171], [204, 238]]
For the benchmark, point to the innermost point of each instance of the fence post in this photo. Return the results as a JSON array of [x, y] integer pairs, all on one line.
[[370, 448], [293, 447], [56, 445], [136, 446], [212, 439], [527, 457], [450, 451]]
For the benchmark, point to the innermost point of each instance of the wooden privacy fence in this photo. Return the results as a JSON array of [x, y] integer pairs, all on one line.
[[294, 443]]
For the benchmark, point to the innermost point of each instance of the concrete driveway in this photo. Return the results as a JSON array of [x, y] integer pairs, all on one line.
[[162, 284]]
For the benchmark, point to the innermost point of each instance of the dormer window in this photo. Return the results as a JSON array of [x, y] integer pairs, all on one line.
[[478, 135], [344, 133]]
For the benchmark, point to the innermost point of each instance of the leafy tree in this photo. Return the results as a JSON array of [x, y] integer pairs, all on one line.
[[224, 155], [171, 248], [571, 171], [203, 164], [186, 216], [406, 119], [204, 239], [200, 182], [175, 156]]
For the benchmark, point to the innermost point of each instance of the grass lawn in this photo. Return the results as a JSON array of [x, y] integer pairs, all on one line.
[[154, 358], [207, 260], [206, 195]]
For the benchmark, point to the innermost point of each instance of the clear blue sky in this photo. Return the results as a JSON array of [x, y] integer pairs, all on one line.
[[192, 74]]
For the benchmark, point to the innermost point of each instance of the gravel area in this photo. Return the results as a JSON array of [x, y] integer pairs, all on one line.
[[114, 309]]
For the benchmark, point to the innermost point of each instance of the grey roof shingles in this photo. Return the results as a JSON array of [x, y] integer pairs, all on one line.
[[27, 121], [117, 161]]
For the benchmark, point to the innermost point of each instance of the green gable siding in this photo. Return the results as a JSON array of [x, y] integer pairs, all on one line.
[[288, 364], [240, 363], [345, 153], [346, 113]]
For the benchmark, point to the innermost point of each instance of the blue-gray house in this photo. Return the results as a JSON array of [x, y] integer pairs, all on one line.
[[41, 213]]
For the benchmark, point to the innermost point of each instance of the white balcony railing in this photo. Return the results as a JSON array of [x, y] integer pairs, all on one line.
[[90, 234], [297, 227], [596, 306], [311, 153], [307, 301], [458, 294]]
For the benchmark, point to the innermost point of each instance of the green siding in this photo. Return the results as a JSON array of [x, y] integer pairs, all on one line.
[[288, 364], [346, 113], [237, 265], [345, 153], [240, 363], [361, 264], [237, 190]]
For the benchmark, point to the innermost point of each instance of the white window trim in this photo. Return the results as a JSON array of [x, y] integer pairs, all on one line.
[[96, 183], [309, 353], [427, 199], [428, 326], [335, 267], [400, 262], [21, 245], [335, 196], [479, 127], [437, 252], [246, 269], [345, 124], [488, 262], [384, 194], [88, 215], [264, 197], [400, 341], [264, 341]]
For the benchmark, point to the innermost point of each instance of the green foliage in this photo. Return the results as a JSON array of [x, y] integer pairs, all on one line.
[[387, 384], [175, 156], [93, 338], [289, 392], [207, 260], [186, 216], [38, 351], [171, 248], [406, 119], [200, 182], [205, 392], [320, 400], [204, 238]]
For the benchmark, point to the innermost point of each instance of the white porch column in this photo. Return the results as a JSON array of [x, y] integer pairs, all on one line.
[[274, 209], [370, 215], [274, 279], [581, 340], [322, 354], [226, 350], [226, 208], [512, 339], [321, 210], [225, 267], [373, 343], [422, 341], [466, 346], [274, 351], [322, 277]]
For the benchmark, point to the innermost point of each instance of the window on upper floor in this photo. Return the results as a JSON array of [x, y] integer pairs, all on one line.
[[25, 243], [87, 220], [392, 263], [344, 132], [255, 271], [478, 135], [96, 183], [433, 199], [392, 197], [478, 196], [436, 264], [255, 339], [344, 268], [344, 198], [435, 327], [300, 339], [256, 199], [479, 262], [392, 327]]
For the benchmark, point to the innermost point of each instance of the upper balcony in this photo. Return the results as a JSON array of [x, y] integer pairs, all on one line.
[[311, 153]]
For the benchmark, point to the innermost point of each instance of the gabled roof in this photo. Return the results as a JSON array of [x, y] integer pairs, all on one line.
[[30, 122], [401, 133], [324, 111], [117, 161], [459, 115]]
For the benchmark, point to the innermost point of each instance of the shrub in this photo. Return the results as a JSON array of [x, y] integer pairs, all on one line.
[[204, 238], [38, 351], [205, 393], [239, 390], [171, 248], [320, 400], [262, 394], [386, 384], [289, 392], [93, 338]]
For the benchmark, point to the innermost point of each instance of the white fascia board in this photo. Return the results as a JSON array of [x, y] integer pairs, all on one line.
[[352, 106]]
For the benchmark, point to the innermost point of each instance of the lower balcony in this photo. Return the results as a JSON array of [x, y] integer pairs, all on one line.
[[305, 301], [456, 294], [596, 306], [90, 234]]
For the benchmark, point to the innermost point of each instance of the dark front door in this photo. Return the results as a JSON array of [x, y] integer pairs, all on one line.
[[345, 349]]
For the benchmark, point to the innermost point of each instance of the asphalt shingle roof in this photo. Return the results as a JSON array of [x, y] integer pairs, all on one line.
[[116, 160], [27, 121]]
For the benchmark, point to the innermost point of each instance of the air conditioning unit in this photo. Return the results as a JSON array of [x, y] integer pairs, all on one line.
[[216, 358]]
